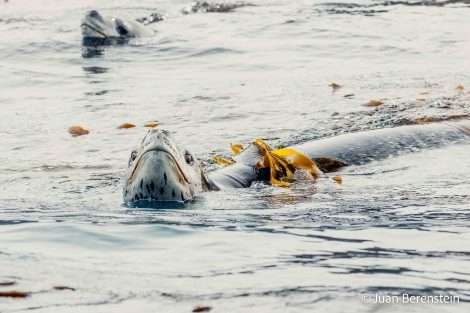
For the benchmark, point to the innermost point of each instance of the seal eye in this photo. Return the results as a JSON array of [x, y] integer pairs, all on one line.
[[189, 158], [133, 156], [122, 31]]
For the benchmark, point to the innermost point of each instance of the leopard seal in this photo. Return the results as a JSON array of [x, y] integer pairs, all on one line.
[[95, 25], [160, 169]]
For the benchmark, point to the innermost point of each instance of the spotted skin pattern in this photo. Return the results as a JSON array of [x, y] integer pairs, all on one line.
[[161, 170]]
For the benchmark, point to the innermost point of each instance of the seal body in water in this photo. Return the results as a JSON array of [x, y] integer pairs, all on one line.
[[162, 170], [95, 25]]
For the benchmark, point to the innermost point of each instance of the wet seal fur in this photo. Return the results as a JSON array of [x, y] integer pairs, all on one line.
[[162, 170], [99, 30], [95, 25]]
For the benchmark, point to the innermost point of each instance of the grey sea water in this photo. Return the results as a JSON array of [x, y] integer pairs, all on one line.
[[392, 228]]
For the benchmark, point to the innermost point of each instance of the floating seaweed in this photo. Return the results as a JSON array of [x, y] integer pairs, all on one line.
[[126, 125], [78, 131]]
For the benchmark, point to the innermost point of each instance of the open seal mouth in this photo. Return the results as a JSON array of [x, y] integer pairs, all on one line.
[[175, 162], [95, 30]]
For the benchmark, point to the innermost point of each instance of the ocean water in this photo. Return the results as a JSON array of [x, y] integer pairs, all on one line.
[[394, 227]]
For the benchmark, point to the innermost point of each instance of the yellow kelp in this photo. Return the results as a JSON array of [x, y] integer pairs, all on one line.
[[337, 179], [268, 161], [236, 148], [126, 125], [78, 131], [221, 160], [151, 125], [284, 163], [297, 160]]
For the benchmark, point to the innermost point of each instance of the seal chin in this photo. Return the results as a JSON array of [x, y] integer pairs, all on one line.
[[158, 177]]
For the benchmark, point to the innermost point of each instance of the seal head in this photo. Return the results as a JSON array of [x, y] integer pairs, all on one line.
[[161, 170], [95, 25]]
